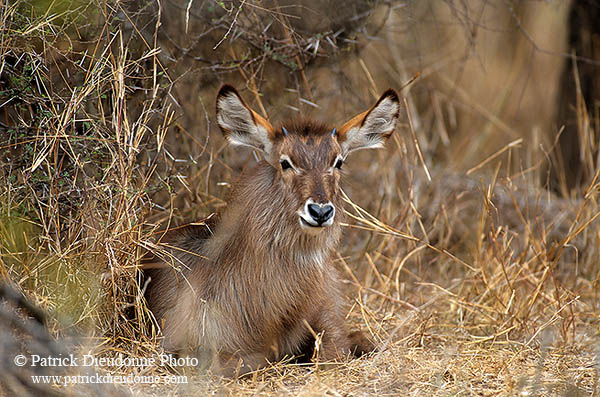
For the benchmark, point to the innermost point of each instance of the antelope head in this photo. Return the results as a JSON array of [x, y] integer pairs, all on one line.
[[307, 157]]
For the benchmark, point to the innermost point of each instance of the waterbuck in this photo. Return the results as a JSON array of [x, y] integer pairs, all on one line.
[[257, 283]]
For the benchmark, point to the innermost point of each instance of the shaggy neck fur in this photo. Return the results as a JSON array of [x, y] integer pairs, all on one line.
[[270, 263], [262, 222]]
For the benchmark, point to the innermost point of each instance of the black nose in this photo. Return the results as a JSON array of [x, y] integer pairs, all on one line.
[[320, 213]]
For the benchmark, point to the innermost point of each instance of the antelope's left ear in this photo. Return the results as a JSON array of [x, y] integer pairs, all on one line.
[[370, 130]]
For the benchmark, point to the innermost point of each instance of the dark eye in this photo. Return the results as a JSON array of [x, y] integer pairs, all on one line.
[[285, 165], [338, 164]]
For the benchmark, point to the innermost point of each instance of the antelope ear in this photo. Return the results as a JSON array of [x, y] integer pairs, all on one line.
[[240, 124], [369, 130]]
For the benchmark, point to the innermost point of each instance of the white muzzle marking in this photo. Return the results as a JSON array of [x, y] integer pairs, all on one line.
[[308, 223]]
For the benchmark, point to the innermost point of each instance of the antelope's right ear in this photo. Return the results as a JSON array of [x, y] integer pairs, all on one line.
[[240, 124]]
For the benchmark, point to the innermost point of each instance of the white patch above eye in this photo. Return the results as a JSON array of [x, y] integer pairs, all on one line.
[[333, 166], [285, 157]]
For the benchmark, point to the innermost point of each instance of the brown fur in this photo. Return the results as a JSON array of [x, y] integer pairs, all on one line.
[[248, 285]]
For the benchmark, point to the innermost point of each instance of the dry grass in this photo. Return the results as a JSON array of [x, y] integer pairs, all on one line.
[[471, 276]]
